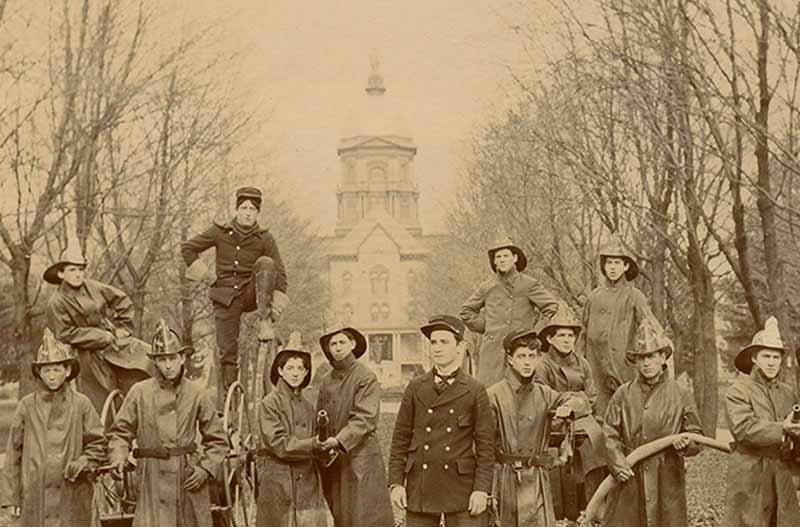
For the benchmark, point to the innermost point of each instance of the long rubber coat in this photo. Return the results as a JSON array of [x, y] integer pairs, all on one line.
[[49, 430], [158, 413], [289, 490], [498, 306], [522, 425], [637, 414], [355, 485], [75, 316], [760, 484], [611, 315]]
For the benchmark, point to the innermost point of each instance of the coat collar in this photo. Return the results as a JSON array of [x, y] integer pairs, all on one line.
[[758, 376], [620, 283], [427, 393]]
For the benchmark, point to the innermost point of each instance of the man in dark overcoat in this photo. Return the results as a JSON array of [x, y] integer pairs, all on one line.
[[442, 453], [249, 275]]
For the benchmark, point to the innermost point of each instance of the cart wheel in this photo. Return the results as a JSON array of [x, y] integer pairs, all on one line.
[[242, 486]]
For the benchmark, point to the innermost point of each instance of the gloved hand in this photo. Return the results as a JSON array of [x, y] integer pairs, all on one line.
[[397, 494], [74, 468], [478, 501], [196, 479], [200, 272]]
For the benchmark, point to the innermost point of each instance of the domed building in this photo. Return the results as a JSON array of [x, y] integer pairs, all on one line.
[[377, 250]]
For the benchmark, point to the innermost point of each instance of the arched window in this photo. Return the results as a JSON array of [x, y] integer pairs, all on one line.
[[385, 311], [347, 313], [375, 312], [379, 280], [347, 282]]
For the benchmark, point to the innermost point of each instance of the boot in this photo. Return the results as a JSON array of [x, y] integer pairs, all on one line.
[[265, 330]]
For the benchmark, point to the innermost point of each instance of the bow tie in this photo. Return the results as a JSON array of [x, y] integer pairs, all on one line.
[[445, 378]]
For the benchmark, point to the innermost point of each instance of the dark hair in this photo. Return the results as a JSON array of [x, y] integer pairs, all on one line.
[[305, 359], [532, 343]]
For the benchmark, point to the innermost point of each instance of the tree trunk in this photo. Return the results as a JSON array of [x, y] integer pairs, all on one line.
[[25, 336]]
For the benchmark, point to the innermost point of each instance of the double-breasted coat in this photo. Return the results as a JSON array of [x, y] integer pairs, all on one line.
[[641, 412], [442, 445], [162, 414], [572, 373], [290, 492], [760, 488], [611, 315], [50, 429], [355, 484], [500, 305], [236, 255], [522, 424], [75, 316]]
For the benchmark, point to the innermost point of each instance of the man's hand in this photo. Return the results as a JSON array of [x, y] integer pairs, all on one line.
[[13, 510], [398, 496], [329, 444], [563, 411], [477, 502], [624, 475], [791, 428], [74, 468], [681, 442], [196, 479], [122, 337]]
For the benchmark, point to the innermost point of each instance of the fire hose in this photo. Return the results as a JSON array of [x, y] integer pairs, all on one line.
[[595, 510]]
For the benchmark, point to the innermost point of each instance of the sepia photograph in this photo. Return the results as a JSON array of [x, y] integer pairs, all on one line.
[[488, 263]]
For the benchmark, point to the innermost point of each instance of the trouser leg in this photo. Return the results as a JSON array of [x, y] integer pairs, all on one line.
[[227, 321], [464, 519], [422, 519], [263, 283]]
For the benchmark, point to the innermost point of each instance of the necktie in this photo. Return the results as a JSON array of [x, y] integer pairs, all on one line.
[[441, 382]]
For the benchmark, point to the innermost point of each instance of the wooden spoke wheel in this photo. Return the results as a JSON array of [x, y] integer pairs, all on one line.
[[113, 498], [239, 470]]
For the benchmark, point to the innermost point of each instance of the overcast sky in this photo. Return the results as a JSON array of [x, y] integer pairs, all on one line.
[[445, 63]]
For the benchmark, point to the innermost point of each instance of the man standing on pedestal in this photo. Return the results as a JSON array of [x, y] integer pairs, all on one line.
[[506, 302], [249, 275]]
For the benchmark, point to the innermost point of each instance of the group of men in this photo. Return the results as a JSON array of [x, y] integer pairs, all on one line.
[[471, 450]]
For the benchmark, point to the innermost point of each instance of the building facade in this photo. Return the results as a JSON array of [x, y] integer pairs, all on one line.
[[378, 251]]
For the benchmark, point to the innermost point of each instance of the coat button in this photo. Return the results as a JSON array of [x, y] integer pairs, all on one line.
[[236, 287], [424, 466], [449, 429], [446, 466], [236, 262], [451, 411], [427, 447], [230, 232], [447, 449], [428, 429], [237, 247], [430, 410]]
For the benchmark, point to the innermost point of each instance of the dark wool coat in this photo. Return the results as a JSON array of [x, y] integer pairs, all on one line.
[[290, 492], [49, 430], [611, 316], [522, 424], [499, 306], [442, 446], [760, 486], [156, 414], [235, 256], [637, 414], [355, 485]]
